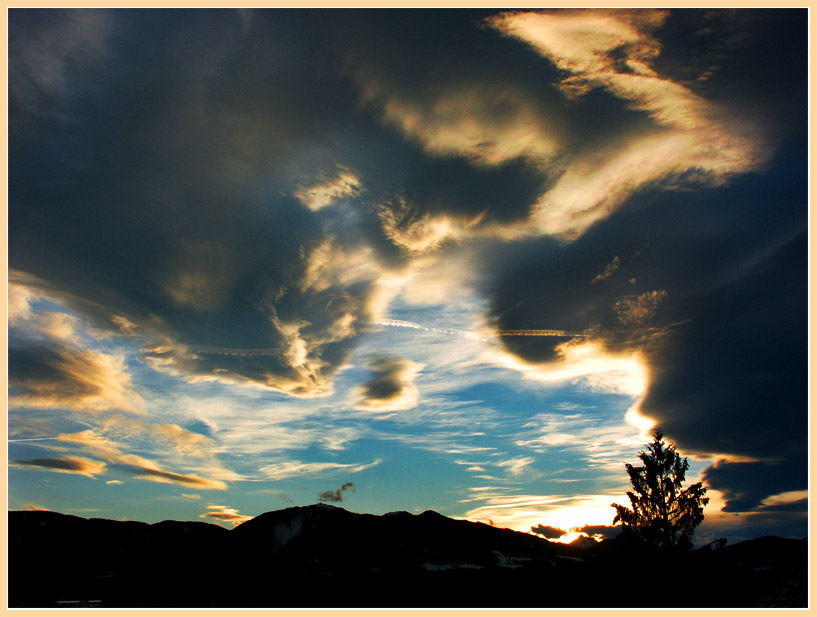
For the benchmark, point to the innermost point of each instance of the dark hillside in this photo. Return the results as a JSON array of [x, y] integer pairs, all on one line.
[[324, 556]]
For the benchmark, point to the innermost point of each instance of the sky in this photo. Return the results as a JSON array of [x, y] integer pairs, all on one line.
[[394, 260]]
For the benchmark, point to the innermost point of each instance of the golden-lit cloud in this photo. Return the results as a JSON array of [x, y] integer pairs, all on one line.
[[582, 359], [19, 298], [31, 507], [294, 469], [183, 441], [145, 470], [67, 377], [782, 499], [226, 514], [59, 326], [581, 41], [596, 184], [634, 311], [488, 125], [330, 265], [438, 278], [318, 196], [50, 367], [125, 325], [693, 141], [427, 232], [613, 50], [69, 464], [95, 443], [391, 386], [141, 467]]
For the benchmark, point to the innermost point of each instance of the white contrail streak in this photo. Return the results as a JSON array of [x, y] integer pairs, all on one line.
[[394, 323], [33, 439], [538, 333], [398, 323], [231, 351]]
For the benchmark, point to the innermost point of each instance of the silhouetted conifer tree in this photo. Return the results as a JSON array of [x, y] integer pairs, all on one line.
[[662, 513]]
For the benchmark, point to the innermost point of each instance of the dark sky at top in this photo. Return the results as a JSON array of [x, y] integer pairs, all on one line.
[[650, 194]]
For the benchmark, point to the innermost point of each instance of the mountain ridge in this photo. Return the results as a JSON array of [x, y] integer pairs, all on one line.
[[325, 556]]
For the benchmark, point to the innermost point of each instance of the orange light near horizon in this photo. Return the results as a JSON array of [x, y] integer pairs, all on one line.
[[523, 512]]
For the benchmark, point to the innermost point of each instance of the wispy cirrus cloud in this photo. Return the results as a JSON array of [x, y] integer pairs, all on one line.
[[143, 468], [146, 470], [600, 443], [516, 466], [291, 469]]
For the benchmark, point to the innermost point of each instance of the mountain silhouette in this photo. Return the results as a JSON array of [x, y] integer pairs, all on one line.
[[324, 556]]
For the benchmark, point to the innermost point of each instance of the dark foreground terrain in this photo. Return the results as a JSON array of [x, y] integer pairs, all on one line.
[[323, 556]]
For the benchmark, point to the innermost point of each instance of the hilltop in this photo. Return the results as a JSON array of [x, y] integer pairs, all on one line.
[[325, 556]]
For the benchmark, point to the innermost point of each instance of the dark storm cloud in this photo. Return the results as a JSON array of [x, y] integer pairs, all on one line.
[[746, 485], [150, 182], [711, 286], [391, 386], [336, 495], [729, 45], [153, 167], [726, 344], [786, 520], [477, 115], [551, 533], [799, 506], [154, 163]]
